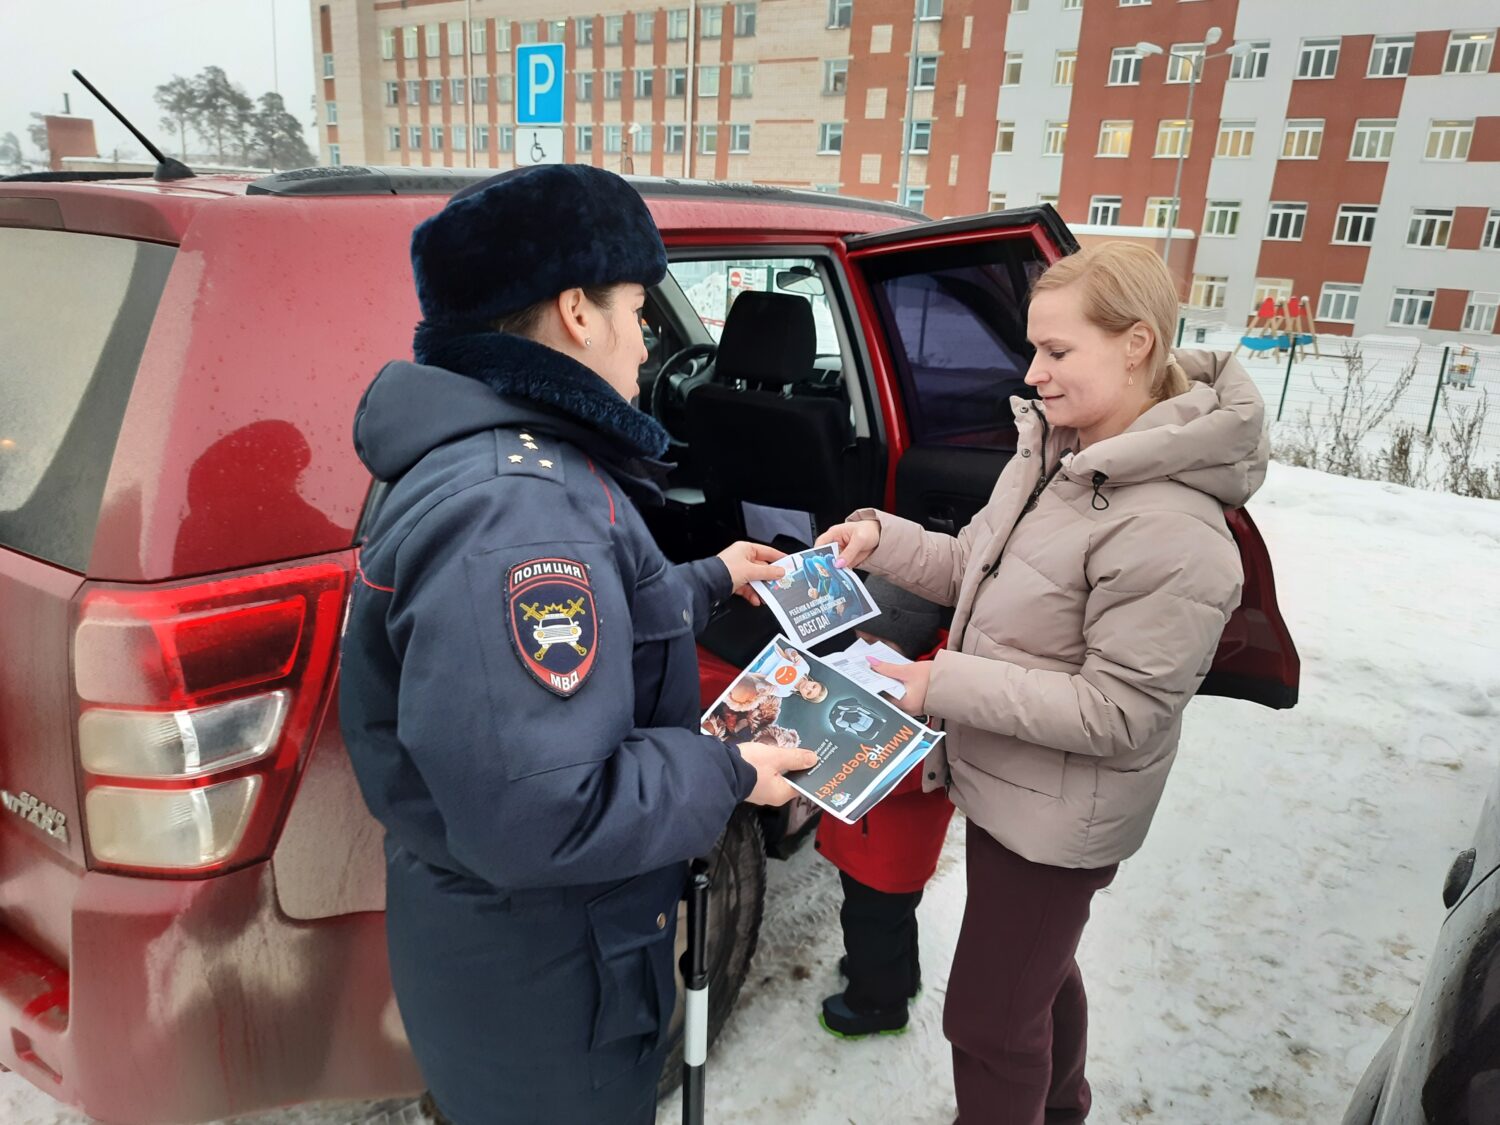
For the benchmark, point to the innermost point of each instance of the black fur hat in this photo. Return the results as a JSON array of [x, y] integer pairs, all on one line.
[[512, 240]]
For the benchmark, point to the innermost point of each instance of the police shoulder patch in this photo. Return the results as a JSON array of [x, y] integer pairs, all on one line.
[[553, 622]]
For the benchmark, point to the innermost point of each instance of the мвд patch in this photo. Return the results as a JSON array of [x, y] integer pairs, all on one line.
[[553, 622]]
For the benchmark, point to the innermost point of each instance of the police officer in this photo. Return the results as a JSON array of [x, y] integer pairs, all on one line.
[[519, 686]]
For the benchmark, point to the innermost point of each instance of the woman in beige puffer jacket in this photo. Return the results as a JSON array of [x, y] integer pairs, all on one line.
[[1089, 595]]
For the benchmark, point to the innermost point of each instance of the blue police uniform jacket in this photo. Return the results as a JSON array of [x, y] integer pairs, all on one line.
[[519, 697]]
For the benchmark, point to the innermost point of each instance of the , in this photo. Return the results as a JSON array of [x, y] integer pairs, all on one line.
[[179, 790]]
